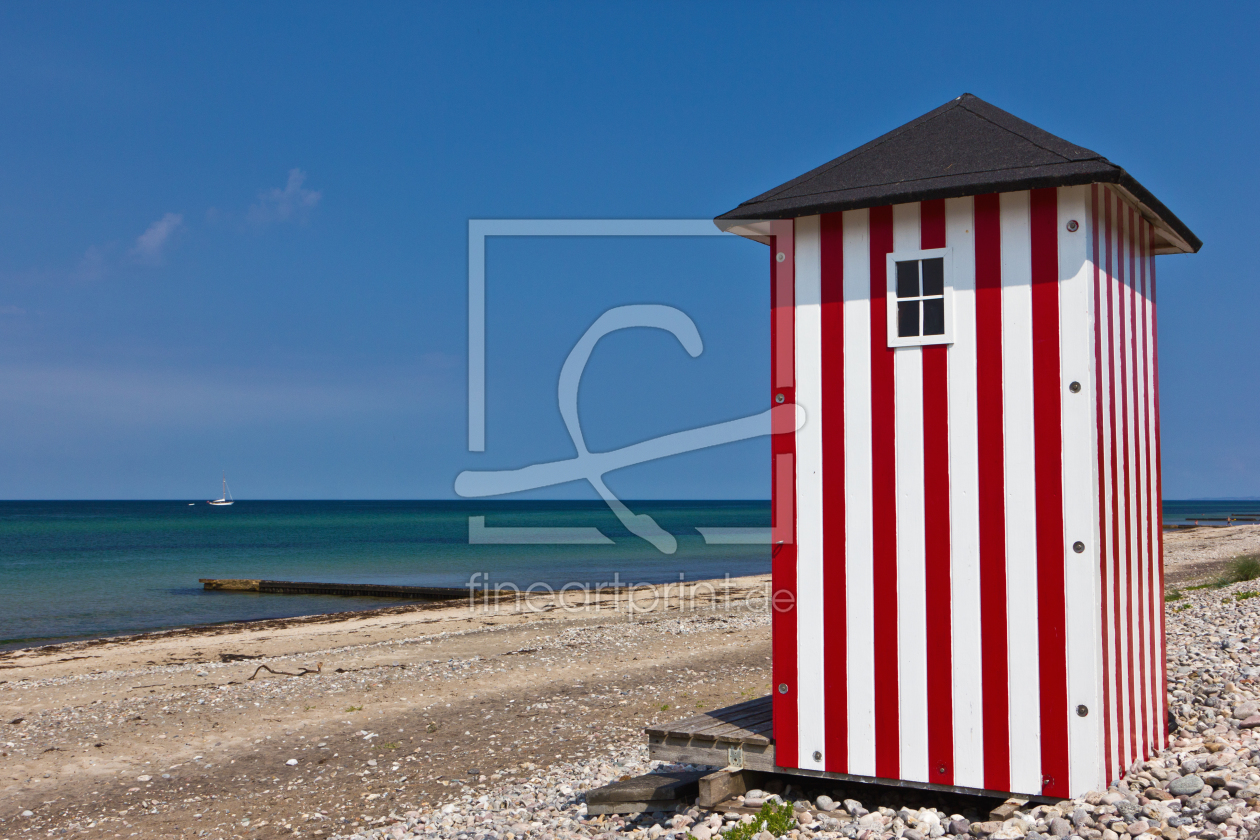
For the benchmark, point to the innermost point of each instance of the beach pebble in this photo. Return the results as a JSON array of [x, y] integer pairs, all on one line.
[[825, 803], [1220, 813], [292, 762], [143, 778], [1186, 785], [1060, 827], [28, 813]]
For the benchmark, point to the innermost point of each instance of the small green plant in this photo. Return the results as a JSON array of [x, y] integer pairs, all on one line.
[[1243, 596], [1174, 595], [389, 746], [776, 819], [354, 708], [664, 707], [1241, 569]]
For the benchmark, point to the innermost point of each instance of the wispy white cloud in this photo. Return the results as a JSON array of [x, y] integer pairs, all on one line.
[[291, 203], [151, 244]]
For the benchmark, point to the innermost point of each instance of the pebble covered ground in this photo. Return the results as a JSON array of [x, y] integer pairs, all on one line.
[[1206, 786]]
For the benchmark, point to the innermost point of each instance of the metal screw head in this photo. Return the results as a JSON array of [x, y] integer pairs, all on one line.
[[783, 688], [1073, 226], [1078, 547], [817, 755], [1075, 387], [780, 257], [779, 398], [941, 769], [1082, 710]]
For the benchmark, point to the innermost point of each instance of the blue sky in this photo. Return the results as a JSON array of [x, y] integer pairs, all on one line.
[[236, 238]]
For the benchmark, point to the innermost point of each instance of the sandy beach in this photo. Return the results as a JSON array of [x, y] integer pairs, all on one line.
[[182, 734], [167, 734]]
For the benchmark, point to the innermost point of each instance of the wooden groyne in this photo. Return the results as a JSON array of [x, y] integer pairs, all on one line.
[[370, 590]]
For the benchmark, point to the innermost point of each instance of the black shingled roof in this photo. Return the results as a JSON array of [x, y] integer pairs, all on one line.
[[964, 147]]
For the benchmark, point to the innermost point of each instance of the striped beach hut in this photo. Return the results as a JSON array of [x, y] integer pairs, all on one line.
[[967, 578]]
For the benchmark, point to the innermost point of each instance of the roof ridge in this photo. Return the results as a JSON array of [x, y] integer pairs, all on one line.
[[1028, 139], [868, 146]]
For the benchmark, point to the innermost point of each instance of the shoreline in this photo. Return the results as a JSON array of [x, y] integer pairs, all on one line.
[[601, 592]]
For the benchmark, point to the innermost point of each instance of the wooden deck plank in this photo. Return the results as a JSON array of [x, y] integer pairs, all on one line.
[[739, 710], [696, 723], [750, 721]]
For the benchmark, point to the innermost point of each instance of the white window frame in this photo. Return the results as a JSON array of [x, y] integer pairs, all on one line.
[[895, 340]]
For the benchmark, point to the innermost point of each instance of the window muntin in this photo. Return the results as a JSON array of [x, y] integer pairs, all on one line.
[[920, 298]]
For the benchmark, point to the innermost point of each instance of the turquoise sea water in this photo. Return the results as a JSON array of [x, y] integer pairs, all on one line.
[[84, 569]]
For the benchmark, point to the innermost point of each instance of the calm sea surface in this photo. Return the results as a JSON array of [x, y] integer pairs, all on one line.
[[82, 569]]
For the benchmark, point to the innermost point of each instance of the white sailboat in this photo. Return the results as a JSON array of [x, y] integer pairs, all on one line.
[[226, 498]]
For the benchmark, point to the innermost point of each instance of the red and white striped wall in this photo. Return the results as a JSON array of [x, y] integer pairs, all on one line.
[[933, 621]]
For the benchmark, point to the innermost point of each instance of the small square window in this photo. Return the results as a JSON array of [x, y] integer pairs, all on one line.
[[920, 298]]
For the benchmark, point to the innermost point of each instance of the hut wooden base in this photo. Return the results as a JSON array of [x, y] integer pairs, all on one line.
[[742, 736]]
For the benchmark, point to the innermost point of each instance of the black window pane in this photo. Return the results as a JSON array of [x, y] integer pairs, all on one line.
[[908, 280], [934, 276], [934, 317], [908, 318]]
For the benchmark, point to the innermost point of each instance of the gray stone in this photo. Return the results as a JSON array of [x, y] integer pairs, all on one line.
[[1186, 785], [912, 834], [855, 808], [958, 826], [1209, 834], [825, 803], [1220, 813], [1138, 827], [1189, 766], [1060, 827], [1126, 809]]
